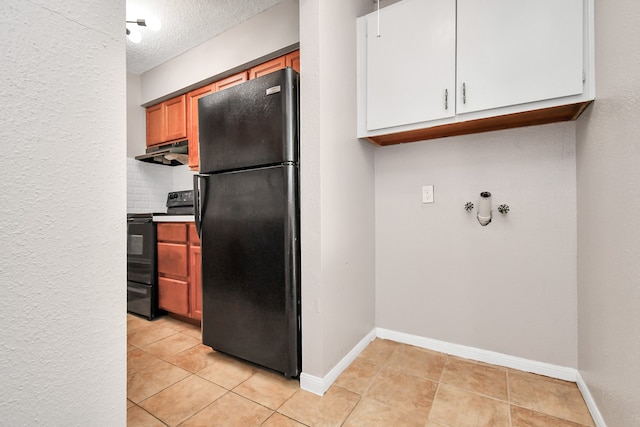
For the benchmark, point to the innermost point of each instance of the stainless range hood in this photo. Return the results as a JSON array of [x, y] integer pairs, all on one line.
[[172, 154]]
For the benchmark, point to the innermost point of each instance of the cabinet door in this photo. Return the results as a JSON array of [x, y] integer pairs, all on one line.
[[517, 51], [155, 123], [192, 134], [231, 81], [175, 117], [411, 63], [268, 67], [195, 282]]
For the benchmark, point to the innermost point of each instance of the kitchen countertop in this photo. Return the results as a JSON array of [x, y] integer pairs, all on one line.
[[173, 218]]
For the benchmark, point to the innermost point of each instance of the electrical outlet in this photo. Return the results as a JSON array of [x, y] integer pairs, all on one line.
[[427, 194]]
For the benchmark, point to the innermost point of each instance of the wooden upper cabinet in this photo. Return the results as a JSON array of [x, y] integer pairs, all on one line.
[[231, 81], [155, 119], [175, 113], [192, 130], [177, 118], [293, 60], [268, 67], [167, 121]]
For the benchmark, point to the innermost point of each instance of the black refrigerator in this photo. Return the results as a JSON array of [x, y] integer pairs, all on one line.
[[248, 217]]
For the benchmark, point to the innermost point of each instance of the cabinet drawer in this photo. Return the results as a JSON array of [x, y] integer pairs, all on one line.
[[172, 232], [194, 239], [172, 259], [173, 295]]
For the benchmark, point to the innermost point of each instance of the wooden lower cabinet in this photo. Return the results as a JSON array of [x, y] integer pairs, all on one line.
[[179, 269], [173, 295]]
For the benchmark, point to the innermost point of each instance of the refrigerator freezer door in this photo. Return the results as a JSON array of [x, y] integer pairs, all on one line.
[[250, 271], [250, 124]]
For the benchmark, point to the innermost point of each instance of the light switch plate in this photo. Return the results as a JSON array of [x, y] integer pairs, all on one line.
[[427, 194]]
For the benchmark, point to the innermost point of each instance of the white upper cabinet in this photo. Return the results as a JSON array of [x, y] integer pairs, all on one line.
[[518, 51], [434, 68], [411, 63]]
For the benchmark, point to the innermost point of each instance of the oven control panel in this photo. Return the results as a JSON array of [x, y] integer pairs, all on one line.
[[180, 198]]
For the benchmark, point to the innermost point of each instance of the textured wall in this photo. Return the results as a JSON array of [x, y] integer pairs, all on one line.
[[608, 218], [62, 263], [508, 287], [337, 189]]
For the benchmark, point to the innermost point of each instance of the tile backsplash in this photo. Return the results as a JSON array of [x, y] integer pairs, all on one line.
[[148, 185]]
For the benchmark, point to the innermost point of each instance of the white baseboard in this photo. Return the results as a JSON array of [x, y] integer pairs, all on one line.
[[591, 403], [492, 357], [319, 385]]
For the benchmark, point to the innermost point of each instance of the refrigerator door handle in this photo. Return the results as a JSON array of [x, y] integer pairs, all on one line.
[[199, 182]]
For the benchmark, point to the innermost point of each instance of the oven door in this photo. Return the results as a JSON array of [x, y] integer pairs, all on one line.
[[141, 251]]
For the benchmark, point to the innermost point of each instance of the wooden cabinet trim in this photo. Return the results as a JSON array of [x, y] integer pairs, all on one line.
[[508, 121]]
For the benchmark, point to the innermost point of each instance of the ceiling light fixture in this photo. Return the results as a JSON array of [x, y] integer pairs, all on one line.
[[151, 23]]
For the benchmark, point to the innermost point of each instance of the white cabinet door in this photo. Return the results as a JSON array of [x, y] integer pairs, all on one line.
[[411, 64], [517, 51]]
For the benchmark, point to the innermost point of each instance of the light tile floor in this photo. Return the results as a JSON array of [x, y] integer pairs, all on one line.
[[174, 380]]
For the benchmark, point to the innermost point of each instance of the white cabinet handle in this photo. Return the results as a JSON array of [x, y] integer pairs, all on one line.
[[446, 99], [464, 93]]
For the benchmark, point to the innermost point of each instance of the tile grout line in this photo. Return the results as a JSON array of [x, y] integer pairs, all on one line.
[[435, 396], [152, 414]]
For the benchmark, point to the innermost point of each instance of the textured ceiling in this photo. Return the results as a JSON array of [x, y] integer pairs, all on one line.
[[185, 25]]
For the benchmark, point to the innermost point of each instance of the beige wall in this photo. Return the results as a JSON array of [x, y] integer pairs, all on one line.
[[508, 287], [136, 118], [337, 184], [608, 182], [62, 263], [250, 42]]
